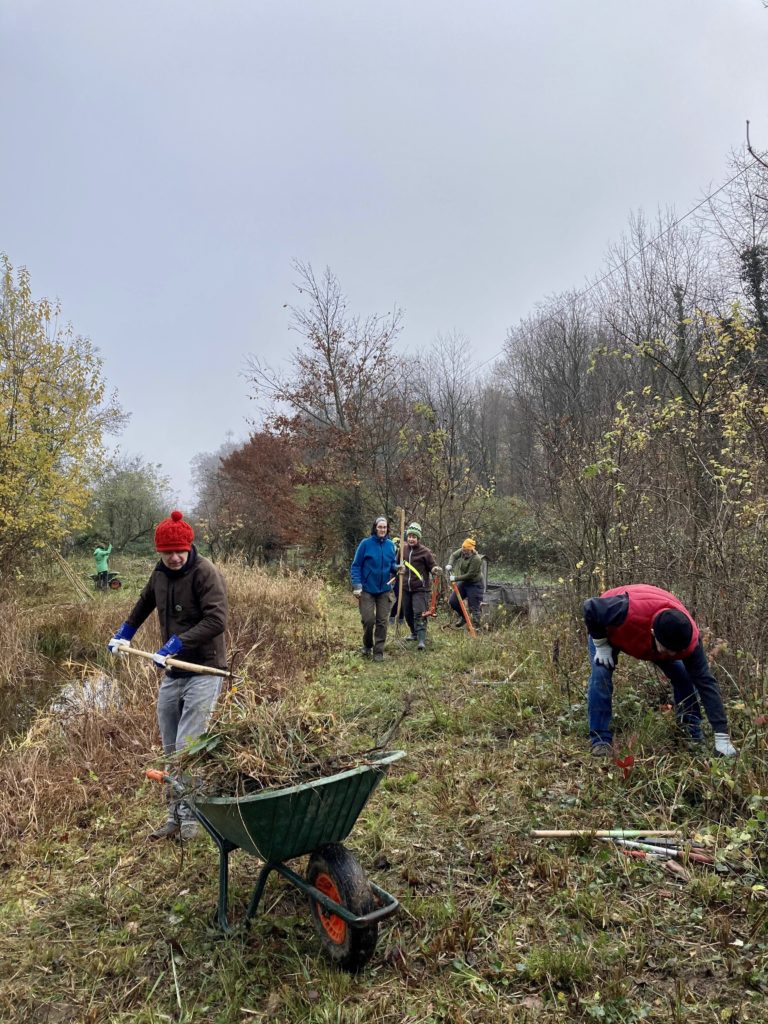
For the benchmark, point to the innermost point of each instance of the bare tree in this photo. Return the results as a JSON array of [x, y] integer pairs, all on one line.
[[446, 447], [738, 219], [211, 509], [335, 399]]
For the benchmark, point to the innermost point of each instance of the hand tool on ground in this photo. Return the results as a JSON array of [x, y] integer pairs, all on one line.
[[668, 846], [664, 852], [185, 666], [599, 833], [660, 848], [464, 612], [642, 854]]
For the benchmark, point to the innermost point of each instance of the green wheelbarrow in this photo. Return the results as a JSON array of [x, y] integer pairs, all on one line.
[[313, 818]]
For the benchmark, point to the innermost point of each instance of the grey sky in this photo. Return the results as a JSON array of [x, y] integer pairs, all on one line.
[[164, 160]]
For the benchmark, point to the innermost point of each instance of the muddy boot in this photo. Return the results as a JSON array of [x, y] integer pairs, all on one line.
[[169, 830], [421, 636], [602, 750], [188, 830]]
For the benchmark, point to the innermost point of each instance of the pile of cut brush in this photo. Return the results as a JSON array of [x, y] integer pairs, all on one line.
[[253, 745]]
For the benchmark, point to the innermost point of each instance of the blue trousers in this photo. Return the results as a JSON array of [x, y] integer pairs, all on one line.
[[693, 685]]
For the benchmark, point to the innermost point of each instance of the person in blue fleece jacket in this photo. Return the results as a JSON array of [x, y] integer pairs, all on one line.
[[373, 568]]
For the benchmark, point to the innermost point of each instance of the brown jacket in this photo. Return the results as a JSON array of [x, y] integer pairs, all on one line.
[[422, 559], [192, 604]]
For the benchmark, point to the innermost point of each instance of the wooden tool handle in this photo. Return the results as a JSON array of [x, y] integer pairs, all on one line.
[[185, 666], [464, 612]]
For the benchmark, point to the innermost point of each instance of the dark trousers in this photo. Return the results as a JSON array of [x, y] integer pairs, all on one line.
[[472, 595], [693, 685], [102, 580], [374, 613], [415, 604]]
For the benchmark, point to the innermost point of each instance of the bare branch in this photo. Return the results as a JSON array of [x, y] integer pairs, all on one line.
[[749, 144]]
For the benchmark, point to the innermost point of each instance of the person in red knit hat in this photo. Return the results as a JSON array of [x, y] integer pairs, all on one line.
[[650, 624], [190, 597]]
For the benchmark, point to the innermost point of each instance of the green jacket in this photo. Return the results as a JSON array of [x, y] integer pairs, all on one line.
[[466, 568], [102, 558]]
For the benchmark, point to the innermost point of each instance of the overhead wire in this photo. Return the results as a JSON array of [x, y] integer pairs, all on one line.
[[640, 251]]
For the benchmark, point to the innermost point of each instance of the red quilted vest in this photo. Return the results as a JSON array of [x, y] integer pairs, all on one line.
[[633, 636]]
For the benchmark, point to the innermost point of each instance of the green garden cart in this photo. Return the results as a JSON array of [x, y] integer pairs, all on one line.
[[314, 818]]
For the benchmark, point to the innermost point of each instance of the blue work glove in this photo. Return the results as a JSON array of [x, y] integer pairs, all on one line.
[[171, 646], [122, 638]]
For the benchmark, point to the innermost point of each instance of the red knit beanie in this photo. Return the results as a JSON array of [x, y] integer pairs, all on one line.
[[173, 534]]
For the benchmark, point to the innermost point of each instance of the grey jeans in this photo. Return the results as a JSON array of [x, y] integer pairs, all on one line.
[[184, 709]]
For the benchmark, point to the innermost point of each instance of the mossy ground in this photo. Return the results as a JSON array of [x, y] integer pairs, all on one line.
[[99, 926]]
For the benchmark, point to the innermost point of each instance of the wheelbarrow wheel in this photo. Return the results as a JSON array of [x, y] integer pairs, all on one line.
[[115, 584], [337, 874]]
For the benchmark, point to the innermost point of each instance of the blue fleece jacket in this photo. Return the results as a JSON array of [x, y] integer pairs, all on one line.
[[375, 563]]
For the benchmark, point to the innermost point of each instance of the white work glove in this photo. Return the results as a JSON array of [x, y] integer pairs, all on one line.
[[452, 578], [121, 638], [723, 745], [448, 567], [603, 653], [116, 645], [357, 592]]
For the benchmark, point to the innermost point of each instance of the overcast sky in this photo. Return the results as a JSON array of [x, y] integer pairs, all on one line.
[[163, 161]]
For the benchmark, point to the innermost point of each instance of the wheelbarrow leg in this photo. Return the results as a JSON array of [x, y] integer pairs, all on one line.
[[221, 915], [225, 848], [258, 892]]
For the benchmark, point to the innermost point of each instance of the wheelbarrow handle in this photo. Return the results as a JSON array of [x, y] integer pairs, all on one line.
[[157, 775], [389, 903]]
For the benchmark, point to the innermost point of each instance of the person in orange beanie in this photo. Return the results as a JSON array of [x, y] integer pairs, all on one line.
[[465, 569]]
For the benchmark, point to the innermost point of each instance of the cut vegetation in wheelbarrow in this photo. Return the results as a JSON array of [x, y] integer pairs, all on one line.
[[253, 745], [310, 818]]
